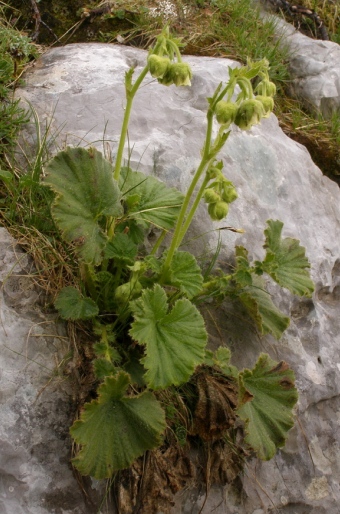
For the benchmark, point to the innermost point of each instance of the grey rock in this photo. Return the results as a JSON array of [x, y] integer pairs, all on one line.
[[36, 406], [314, 66], [81, 87]]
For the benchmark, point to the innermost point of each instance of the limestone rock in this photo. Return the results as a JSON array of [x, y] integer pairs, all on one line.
[[36, 405], [82, 87], [314, 66]]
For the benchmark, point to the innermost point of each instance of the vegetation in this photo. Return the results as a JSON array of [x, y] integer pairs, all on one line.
[[91, 253], [149, 337]]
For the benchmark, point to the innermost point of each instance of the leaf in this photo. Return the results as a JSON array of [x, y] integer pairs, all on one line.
[[225, 461], [157, 204], [121, 249], [268, 318], [103, 368], [267, 397], [86, 191], [115, 429], [175, 340], [72, 305], [150, 484], [286, 262], [242, 273], [222, 360], [185, 274], [135, 231], [215, 408]]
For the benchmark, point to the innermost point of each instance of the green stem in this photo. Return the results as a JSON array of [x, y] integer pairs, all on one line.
[[88, 280], [206, 159], [129, 100], [130, 93], [193, 210], [158, 242]]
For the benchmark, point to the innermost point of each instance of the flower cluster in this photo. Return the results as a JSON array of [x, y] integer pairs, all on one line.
[[162, 66], [220, 193], [249, 109]]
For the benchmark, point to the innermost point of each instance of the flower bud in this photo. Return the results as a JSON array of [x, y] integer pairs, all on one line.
[[210, 196], [229, 193], [268, 104], [271, 88], [180, 72], [218, 211], [213, 172], [266, 88], [166, 80], [127, 291], [249, 113], [225, 112], [158, 65]]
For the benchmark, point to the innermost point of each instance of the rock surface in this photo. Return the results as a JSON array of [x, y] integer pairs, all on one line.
[[82, 87], [36, 407], [314, 67]]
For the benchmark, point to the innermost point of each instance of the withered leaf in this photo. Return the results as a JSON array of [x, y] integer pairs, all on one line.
[[149, 485], [215, 409], [224, 463]]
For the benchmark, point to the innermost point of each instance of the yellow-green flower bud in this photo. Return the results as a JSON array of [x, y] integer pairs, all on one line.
[[210, 196], [268, 104], [266, 88], [166, 80], [218, 211], [225, 112], [180, 72], [229, 193], [158, 65], [270, 88], [127, 291], [213, 172], [249, 113]]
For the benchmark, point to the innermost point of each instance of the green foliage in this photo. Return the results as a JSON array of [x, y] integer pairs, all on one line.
[[286, 262], [122, 249], [86, 192], [115, 429], [268, 318], [72, 305], [266, 397], [149, 200], [15, 51], [148, 331], [175, 340], [185, 274]]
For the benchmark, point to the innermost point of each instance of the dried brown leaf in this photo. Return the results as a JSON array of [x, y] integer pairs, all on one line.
[[215, 409], [148, 487], [225, 462]]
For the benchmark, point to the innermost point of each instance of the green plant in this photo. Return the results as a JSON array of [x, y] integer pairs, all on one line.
[[149, 336], [15, 51]]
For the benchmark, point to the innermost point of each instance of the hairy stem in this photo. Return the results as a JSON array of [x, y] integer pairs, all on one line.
[[130, 93], [192, 211], [206, 160]]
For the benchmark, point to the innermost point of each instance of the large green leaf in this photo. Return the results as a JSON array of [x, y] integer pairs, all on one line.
[[149, 200], [185, 274], [72, 305], [175, 340], [267, 397], [115, 429], [286, 261], [85, 192], [268, 318]]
